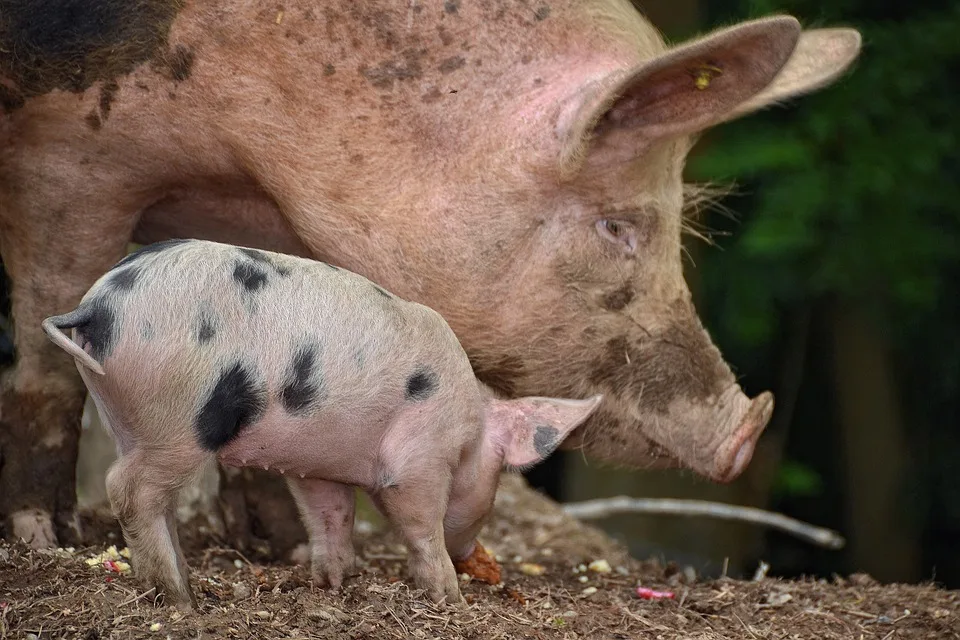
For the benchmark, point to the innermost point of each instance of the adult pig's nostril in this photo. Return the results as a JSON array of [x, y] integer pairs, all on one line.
[[741, 460], [744, 440]]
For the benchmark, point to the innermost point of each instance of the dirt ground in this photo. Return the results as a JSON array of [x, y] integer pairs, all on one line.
[[57, 594]]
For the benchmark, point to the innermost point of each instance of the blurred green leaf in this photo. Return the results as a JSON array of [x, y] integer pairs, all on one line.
[[797, 480]]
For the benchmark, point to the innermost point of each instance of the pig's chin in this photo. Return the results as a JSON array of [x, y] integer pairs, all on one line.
[[719, 447], [641, 453]]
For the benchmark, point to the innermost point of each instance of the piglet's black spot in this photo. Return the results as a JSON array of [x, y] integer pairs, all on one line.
[[303, 384], [156, 247], [265, 260], [250, 276], [206, 328], [422, 384], [236, 401], [545, 440], [124, 279]]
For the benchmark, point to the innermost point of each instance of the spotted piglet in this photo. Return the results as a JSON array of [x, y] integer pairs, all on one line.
[[197, 350]]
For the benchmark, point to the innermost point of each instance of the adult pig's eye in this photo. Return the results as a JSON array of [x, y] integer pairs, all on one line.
[[620, 232]]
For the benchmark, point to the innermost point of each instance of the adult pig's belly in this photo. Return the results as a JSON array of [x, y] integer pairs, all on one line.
[[239, 214]]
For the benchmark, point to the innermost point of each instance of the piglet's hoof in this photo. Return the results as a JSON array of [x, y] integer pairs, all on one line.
[[479, 565]]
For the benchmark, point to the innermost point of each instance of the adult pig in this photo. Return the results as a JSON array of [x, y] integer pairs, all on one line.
[[199, 350], [514, 165]]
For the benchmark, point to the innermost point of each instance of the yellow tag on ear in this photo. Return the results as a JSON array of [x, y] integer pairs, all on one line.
[[704, 75]]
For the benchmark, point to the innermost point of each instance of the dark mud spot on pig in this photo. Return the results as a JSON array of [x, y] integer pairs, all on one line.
[[545, 440], [617, 299], [146, 250], [542, 13], [452, 64], [501, 374], [93, 121], [236, 401], [303, 386], [679, 363], [384, 75], [422, 384], [72, 45], [97, 329], [107, 93], [452, 6]]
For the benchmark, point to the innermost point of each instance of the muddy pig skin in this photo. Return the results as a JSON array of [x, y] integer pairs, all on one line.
[[196, 350]]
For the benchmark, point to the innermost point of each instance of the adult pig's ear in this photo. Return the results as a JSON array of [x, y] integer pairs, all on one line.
[[693, 86], [527, 430]]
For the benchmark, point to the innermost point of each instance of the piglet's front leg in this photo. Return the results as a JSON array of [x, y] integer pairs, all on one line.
[[327, 509], [415, 507]]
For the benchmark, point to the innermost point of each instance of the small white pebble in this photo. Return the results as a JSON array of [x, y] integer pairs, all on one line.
[[263, 615], [547, 604], [155, 626], [518, 559], [581, 568], [498, 558], [31, 636], [546, 552], [599, 566], [238, 564], [589, 591], [570, 614], [530, 569], [465, 577], [622, 570], [583, 579], [241, 590]]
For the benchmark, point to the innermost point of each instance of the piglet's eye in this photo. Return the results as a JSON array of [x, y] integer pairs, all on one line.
[[620, 232]]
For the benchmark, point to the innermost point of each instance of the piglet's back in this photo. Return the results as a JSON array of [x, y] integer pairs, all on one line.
[[187, 315]]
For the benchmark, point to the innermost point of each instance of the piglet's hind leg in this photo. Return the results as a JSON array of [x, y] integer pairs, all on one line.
[[143, 494], [327, 509]]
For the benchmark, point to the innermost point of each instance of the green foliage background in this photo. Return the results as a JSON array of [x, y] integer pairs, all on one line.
[[849, 195]]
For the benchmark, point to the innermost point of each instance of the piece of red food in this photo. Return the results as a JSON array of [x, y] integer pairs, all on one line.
[[480, 565], [650, 594]]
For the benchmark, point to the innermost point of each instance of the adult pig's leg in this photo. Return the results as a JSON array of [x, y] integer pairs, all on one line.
[[59, 231], [327, 509]]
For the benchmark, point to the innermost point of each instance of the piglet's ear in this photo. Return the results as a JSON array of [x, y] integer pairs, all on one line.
[[527, 430], [681, 91]]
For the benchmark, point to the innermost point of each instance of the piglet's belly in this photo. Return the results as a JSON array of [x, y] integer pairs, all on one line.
[[305, 449]]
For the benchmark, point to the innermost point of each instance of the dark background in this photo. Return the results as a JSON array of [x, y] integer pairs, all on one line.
[[832, 282]]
